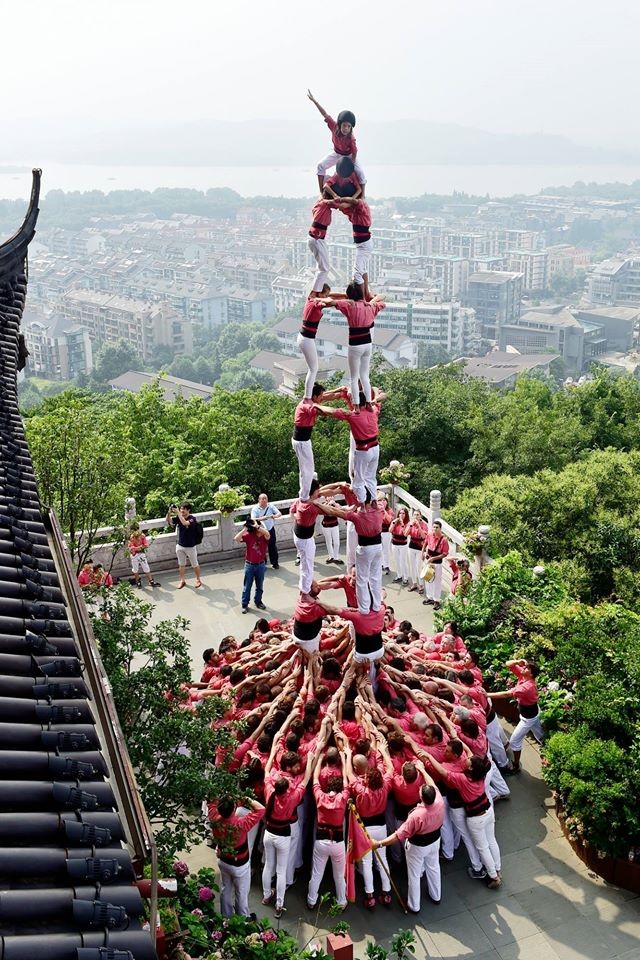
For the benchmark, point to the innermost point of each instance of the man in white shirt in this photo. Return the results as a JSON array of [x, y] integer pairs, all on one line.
[[267, 513]]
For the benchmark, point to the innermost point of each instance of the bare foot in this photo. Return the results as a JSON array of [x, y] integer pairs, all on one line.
[[181, 585], [198, 584]]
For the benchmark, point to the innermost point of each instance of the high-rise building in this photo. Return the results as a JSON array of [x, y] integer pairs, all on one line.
[[496, 298]]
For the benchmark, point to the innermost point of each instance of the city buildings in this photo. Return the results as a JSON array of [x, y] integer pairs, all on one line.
[[496, 298]]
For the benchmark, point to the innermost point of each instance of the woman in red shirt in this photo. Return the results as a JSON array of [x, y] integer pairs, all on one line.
[[387, 520], [399, 530], [526, 693], [417, 533]]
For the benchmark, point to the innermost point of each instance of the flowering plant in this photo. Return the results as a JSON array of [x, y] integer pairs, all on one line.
[[395, 473], [475, 541]]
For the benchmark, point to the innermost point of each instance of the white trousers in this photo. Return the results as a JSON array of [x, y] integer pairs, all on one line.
[[525, 726], [495, 736], [459, 821], [482, 830], [318, 248], [295, 857], [307, 552], [234, 889], [422, 860], [434, 587], [306, 466], [365, 469], [366, 864], [332, 540], [414, 563], [447, 836], [330, 161], [495, 784], [386, 551], [276, 858], [359, 360], [400, 560], [309, 646], [308, 349], [363, 258], [352, 543], [324, 850], [369, 577], [352, 450]]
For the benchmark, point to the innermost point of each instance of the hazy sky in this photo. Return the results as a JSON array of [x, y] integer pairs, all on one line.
[[552, 66]]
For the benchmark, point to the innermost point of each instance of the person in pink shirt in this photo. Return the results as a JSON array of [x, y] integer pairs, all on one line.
[[421, 834], [308, 616], [137, 546], [342, 140], [367, 520], [360, 315], [331, 804], [399, 531], [305, 513], [363, 424], [85, 577], [526, 693], [435, 549], [229, 828], [387, 520], [417, 531]]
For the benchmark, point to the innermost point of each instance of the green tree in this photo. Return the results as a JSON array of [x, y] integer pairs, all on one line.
[[203, 371], [114, 359], [184, 368], [77, 444], [171, 748]]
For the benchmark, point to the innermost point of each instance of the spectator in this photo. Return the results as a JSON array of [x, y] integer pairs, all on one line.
[[266, 512], [186, 527], [255, 538], [137, 547], [101, 578], [85, 577]]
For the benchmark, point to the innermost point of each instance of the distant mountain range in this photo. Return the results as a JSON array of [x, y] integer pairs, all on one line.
[[289, 142]]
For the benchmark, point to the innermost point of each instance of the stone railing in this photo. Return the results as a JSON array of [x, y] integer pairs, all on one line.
[[219, 530]]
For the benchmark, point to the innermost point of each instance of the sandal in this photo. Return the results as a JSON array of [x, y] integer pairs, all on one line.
[[385, 899], [267, 900], [369, 901]]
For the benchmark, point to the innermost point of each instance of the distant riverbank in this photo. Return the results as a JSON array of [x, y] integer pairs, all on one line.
[[383, 181]]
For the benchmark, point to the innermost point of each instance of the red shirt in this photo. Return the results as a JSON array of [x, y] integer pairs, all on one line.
[[371, 802], [407, 793], [233, 830], [365, 623], [468, 789], [437, 544], [352, 731], [423, 819], [326, 772], [305, 512], [85, 578], [363, 425], [138, 543], [307, 609], [418, 533], [368, 522], [349, 496], [321, 218], [525, 691], [306, 413], [285, 804], [255, 547], [398, 532], [349, 590], [345, 146], [330, 806], [359, 313], [478, 746], [311, 316], [337, 181]]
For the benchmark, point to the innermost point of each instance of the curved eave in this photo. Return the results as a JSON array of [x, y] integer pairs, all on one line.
[[14, 250]]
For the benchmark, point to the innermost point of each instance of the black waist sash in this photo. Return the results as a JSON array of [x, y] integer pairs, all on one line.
[[424, 839], [368, 643], [238, 857], [528, 711], [303, 533], [307, 630], [375, 820], [369, 541], [301, 433]]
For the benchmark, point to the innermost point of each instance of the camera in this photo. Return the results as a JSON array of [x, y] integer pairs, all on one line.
[[173, 506]]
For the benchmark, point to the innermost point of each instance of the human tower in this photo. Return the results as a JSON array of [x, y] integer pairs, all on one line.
[[357, 733]]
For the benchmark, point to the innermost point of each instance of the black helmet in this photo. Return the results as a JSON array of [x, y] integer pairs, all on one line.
[[345, 116]]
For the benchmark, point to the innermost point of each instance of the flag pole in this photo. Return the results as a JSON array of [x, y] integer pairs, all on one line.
[[381, 864]]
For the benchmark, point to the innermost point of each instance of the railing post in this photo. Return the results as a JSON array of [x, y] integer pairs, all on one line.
[[482, 559], [227, 529], [435, 502]]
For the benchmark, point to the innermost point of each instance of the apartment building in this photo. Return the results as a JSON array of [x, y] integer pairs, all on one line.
[[58, 348], [496, 298], [532, 264]]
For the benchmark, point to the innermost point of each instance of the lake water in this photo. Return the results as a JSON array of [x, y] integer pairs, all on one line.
[[383, 181]]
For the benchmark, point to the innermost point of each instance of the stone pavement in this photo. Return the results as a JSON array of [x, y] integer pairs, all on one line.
[[550, 907]]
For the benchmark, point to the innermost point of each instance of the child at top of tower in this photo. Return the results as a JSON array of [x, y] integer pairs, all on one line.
[[344, 143]]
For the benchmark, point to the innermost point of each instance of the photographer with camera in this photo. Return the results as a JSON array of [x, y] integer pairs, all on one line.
[[189, 533], [255, 537]]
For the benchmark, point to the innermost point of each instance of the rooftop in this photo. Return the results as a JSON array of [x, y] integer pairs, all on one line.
[[171, 387], [493, 276], [499, 366]]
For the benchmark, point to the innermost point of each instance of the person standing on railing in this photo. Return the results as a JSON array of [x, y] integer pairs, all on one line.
[[267, 513]]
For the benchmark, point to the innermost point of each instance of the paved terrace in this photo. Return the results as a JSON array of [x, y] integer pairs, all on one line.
[[550, 907]]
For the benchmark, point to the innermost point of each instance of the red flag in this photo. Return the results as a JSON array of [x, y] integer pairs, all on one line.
[[358, 846]]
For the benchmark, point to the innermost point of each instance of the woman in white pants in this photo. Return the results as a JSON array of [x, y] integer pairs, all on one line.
[[399, 530], [417, 532], [387, 519]]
